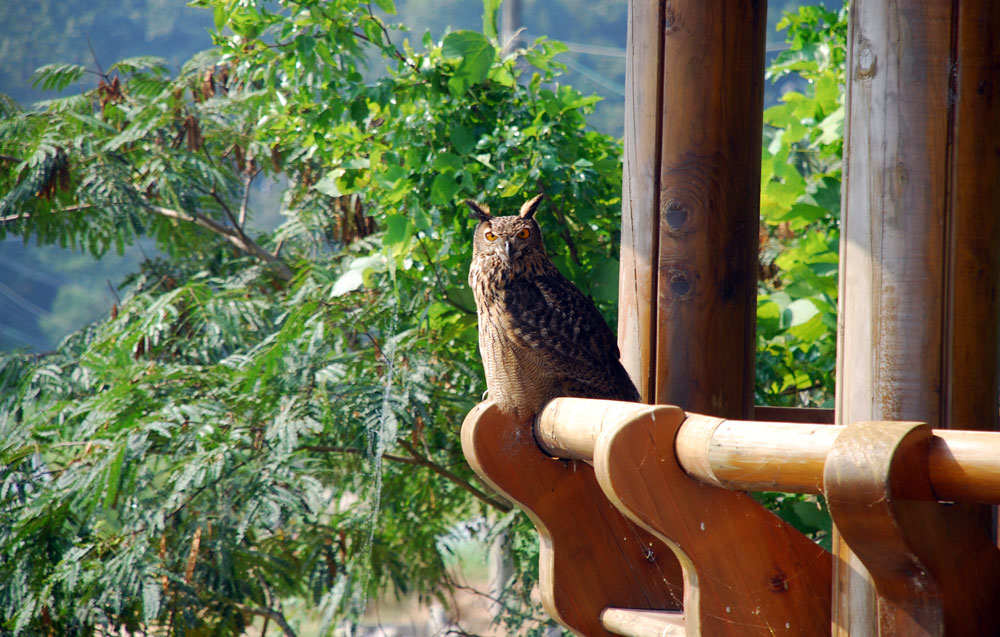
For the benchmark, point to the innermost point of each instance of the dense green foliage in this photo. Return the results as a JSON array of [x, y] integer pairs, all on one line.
[[271, 417], [800, 213]]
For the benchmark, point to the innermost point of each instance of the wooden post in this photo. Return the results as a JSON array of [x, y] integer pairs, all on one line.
[[920, 239], [691, 202]]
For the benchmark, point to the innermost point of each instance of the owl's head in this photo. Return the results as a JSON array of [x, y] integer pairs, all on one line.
[[510, 237]]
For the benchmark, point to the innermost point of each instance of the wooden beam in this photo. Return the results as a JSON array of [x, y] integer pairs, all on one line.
[[641, 195], [691, 203], [962, 465], [920, 235]]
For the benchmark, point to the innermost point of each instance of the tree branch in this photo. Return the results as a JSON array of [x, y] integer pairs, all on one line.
[[18, 217], [448, 475], [268, 613], [564, 228], [246, 197], [235, 237], [437, 278]]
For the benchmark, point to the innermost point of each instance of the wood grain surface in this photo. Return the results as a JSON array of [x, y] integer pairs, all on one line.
[[920, 233], [641, 194], [746, 572], [708, 216], [935, 569], [591, 556]]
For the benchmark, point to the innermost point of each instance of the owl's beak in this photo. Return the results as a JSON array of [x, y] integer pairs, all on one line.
[[507, 252]]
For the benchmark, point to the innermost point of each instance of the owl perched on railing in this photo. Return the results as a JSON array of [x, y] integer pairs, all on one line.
[[539, 336]]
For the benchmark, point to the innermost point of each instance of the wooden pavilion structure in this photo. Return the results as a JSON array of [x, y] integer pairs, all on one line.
[[645, 525]]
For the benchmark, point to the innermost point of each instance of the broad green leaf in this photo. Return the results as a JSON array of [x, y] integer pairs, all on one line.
[[490, 8], [604, 280], [447, 161], [444, 189], [389, 6], [463, 139], [476, 55]]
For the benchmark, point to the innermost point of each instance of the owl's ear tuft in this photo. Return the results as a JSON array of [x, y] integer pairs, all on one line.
[[530, 206], [479, 210]]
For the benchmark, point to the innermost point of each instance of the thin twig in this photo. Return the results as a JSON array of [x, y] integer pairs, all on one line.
[[114, 292], [385, 33], [357, 452], [564, 229], [271, 613], [18, 217], [444, 473], [97, 63], [246, 197], [419, 460]]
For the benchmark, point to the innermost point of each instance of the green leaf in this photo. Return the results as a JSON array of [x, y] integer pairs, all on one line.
[[476, 54], [358, 273], [443, 189], [328, 184], [389, 6], [114, 478], [398, 229], [490, 8], [447, 161], [56, 77], [462, 139], [604, 280]]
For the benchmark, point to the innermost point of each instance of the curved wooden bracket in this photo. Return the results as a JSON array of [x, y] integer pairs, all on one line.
[[746, 571], [591, 556], [935, 569]]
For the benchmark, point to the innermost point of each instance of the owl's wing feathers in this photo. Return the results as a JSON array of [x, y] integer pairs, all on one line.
[[552, 317]]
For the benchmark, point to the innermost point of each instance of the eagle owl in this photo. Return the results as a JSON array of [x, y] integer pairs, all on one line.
[[539, 336]]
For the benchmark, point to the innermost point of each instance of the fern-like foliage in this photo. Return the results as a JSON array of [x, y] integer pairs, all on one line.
[[271, 417]]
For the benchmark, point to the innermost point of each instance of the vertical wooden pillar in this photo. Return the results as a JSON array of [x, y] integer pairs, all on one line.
[[920, 241], [691, 202]]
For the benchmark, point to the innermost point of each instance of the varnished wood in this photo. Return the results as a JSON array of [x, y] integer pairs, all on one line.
[[713, 64], [746, 572], [775, 581], [935, 569], [570, 427], [644, 623], [963, 466], [591, 556], [919, 231], [756, 456]]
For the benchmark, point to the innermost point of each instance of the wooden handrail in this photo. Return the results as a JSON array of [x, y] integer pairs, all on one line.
[[963, 466]]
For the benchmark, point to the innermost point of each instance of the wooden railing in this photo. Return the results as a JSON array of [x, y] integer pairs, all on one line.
[[618, 489]]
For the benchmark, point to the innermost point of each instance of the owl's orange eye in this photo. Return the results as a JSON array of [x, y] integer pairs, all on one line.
[[524, 233], [490, 236]]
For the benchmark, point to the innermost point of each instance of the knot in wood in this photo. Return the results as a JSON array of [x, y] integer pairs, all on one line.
[[669, 18], [680, 284], [778, 583], [676, 215], [866, 59]]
